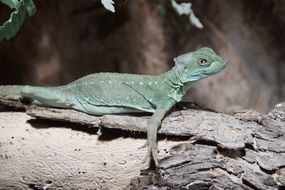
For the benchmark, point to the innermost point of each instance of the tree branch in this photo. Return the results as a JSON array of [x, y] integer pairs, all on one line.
[[226, 152]]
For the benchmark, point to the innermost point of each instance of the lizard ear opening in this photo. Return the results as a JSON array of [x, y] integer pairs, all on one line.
[[181, 63], [184, 58], [180, 67]]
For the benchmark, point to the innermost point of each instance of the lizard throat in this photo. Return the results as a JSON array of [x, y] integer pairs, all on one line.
[[173, 79]]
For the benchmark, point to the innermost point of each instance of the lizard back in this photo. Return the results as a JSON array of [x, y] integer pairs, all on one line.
[[116, 93]]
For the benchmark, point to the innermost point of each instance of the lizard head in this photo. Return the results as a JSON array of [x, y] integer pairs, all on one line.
[[200, 64]]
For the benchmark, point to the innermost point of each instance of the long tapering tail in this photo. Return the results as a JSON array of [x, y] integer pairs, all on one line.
[[47, 96], [11, 92]]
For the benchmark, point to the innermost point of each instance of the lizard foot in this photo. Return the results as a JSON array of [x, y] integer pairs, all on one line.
[[144, 145], [151, 153]]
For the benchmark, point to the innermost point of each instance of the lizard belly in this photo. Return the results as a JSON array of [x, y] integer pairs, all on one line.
[[103, 110]]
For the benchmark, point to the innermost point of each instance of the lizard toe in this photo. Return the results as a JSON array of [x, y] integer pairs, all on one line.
[[144, 145], [154, 152], [147, 156]]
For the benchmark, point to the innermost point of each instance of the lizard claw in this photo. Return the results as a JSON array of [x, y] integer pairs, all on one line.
[[151, 152], [147, 154], [144, 145]]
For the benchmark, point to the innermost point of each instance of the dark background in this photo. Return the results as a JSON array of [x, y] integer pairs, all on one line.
[[66, 39]]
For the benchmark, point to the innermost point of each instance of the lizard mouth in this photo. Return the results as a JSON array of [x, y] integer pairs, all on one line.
[[220, 67]]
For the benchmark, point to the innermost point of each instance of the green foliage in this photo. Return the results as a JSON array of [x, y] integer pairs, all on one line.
[[20, 8], [161, 6], [30, 6], [186, 9], [108, 4]]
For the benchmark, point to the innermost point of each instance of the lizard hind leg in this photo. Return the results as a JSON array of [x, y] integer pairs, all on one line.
[[46, 96]]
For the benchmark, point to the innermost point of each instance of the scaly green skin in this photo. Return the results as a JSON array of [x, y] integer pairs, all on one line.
[[112, 93]]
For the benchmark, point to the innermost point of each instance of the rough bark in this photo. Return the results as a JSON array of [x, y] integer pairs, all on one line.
[[244, 150]]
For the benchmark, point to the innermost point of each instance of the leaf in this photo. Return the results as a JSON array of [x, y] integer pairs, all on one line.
[[20, 7], [183, 8], [13, 4], [30, 6], [108, 4], [195, 21], [186, 9]]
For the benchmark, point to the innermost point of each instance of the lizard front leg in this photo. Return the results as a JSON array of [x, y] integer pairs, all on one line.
[[152, 126]]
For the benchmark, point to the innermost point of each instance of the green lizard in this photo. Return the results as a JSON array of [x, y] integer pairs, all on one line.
[[114, 93]]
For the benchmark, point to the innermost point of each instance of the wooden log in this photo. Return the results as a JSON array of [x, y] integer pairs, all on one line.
[[244, 150]]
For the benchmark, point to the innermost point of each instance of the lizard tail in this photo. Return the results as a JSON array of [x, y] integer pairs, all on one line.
[[11, 92], [48, 96]]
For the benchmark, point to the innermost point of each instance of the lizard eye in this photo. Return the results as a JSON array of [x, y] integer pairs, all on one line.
[[202, 61]]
